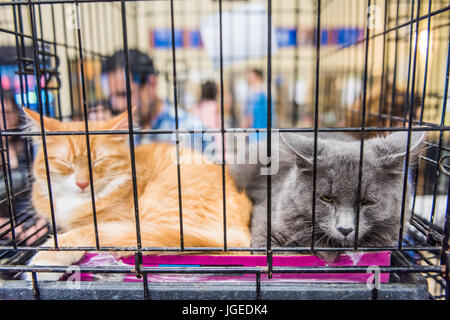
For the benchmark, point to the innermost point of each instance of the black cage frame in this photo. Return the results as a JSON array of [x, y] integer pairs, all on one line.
[[431, 241]]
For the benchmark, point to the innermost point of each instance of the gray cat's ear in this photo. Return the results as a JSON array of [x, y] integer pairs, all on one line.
[[303, 147], [391, 150]]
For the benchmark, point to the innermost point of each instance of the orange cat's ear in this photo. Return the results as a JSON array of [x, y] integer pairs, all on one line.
[[34, 121], [119, 122]]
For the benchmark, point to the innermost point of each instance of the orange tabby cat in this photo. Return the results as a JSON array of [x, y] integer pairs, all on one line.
[[201, 186]]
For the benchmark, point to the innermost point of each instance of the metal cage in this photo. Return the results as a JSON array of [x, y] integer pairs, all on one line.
[[369, 67]]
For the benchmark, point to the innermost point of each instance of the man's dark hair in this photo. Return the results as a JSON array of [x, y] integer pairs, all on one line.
[[141, 65], [209, 90]]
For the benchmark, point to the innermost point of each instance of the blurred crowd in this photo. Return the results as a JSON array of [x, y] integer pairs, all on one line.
[[156, 113]]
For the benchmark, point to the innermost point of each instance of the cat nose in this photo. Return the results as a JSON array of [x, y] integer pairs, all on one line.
[[345, 231], [82, 185]]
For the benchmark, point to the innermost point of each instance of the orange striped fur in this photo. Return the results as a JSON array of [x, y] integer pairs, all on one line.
[[157, 188]]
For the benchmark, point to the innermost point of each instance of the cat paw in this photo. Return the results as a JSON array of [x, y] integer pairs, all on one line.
[[328, 257], [43, 276], [38, 260]]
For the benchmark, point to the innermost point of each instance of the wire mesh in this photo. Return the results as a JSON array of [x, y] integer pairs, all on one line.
[[377, 67]]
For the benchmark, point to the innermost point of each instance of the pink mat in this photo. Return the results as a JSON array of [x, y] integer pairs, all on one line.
[[350, 259]]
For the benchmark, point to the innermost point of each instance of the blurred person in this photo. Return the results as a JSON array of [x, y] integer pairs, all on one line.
[[255, 114], [11, 118], [208, 109], [208, 112], [152, 111]]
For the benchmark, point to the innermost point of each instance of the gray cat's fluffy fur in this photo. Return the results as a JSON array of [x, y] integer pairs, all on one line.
[[338, 158]]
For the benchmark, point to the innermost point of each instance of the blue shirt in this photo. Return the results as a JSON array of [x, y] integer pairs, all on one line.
[[165, 120], [257, 109]]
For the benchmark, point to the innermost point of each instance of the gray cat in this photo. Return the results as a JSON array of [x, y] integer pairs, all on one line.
[[338, 158]]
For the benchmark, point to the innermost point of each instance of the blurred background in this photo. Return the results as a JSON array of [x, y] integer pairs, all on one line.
[[244, 48]]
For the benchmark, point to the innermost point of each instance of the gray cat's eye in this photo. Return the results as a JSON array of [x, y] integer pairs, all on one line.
[[366, 203], [326, 199]]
